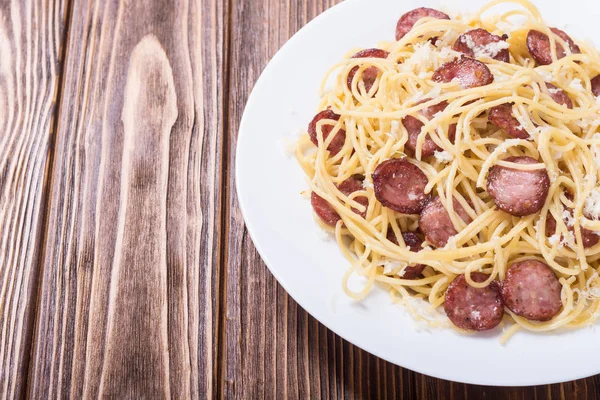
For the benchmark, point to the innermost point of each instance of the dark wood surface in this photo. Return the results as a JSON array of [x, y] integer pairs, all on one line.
[[125, 267]]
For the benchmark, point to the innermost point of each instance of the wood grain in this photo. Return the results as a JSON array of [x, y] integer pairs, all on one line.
[[130, 274], [273, 348], [119, 224], [31, 34]]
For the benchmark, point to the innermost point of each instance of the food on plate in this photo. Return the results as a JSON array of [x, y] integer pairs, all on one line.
[[458, 166]]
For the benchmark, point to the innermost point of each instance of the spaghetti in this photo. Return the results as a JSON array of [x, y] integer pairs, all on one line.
[[470, 128]]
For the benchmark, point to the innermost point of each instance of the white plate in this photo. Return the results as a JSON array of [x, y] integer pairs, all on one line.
[[281, 223]]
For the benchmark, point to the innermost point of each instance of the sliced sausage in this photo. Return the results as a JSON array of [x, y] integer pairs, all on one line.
[[596, 85], [588, 238], [469, 72], [408, 20], [435, 222], [502, 117], [481, 42], [369, 75], [324, 210], [550, 225], [472, 308], [413, 127], [340, 138], [400, 185], [559, 96], [351, 185], [532, 290], [538, 44], [518, 192], [415, 244], [327, 213]]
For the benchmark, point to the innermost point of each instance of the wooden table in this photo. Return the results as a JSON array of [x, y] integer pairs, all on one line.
[[125, 267]]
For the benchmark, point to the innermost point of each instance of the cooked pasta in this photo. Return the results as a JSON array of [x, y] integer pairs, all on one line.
[[489, 122]]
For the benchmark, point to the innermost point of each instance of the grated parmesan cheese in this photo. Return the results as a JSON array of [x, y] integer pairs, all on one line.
[[394, 267], [323, 234], [568, 239], [576, 84], [424, 314], [417, 97], [545, 75], [475, 315], [554, 240], [451, 244], [395, 132], [426, 58], [368, 183], [591, 291], [422, 58], [289, 143], [413, 196], [434, 92], [490, 50], [592, 204], [443, 157], [446, 54], [526, 124], [504, 146], [568, 217], [554, 91]]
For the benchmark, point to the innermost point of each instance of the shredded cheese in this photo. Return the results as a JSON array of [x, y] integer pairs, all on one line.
[[576, 84], [592, 204], [490, 50], [443, 156]]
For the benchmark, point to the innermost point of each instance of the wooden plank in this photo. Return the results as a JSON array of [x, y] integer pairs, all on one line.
[[130, 283], [30, 50], [273, 348]]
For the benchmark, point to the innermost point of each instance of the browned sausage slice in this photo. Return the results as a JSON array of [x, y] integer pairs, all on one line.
[[324, 210], [538, 44], [436, 224], [327, 213], [588, 238], [559, 95], [400, 185], [484, 42], [369, 75], [415, 244], [408, 20], [596, 85], [518, 192], [472, 308], [502, 117], [532, 290], [413, 127], [340, 138], [469, 72], [351, 185]]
